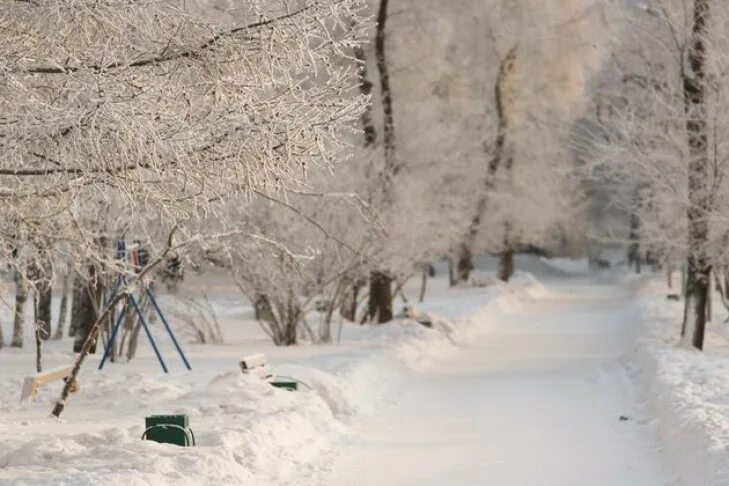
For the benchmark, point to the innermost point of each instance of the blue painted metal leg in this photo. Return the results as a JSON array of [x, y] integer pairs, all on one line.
[[149, 334], [150, 294], [114, 331]]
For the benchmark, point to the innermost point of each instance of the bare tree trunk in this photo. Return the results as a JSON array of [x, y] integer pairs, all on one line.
[[293, 317], [84, 309], [388, 127], [669, 275], [709, 306], [380, 301], [464, 267], [506, 264], [77, 286], [699, 266], [348, 299], [451, 272], [634, 235], [365, 87], [135, 328], [423, 284], [42, 301], [41, 274], [501, 156], [63, 309], [325, 334], [38, 350], [21, 296], [380, 297]]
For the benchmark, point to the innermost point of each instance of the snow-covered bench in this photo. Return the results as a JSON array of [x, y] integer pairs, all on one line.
[[257, 365], [426, 319], [410, 312], [32, 384]]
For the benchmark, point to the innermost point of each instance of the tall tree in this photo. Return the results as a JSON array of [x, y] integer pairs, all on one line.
[[42, 298], [84, 308], [380, 298], [501, 156], [699, 264]]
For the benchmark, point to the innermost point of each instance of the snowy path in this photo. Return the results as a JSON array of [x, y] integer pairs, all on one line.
[[535, 399]]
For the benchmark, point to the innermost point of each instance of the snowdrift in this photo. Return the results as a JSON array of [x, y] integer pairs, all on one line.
[[688, 390], [247, 431]]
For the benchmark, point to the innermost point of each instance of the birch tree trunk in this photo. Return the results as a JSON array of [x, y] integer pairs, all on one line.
[[63, 308], [500, 157], [698, 264], [634, 235], [42, 301], [380, 298], [388, 127], [84, 311]]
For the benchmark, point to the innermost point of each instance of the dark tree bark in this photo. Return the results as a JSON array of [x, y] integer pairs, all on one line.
[[698, 264], [634, 234], [388, 127], [292, 320], [21, 296], [282, 318], [506, 264], [84, 309], [365, 87], [501, 156], [424, 283], [380, 301], [42, 300], [348, 299], [77, 283], [380, 297], [38, 350], [464, 265]]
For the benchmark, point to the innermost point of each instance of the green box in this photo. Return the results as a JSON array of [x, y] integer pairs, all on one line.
[[169, 429], [286, 384]]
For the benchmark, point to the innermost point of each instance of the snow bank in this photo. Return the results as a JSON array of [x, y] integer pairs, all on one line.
[[568, 266], [688, 390], [246, 430]]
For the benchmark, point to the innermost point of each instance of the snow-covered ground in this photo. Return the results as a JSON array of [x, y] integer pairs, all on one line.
[[535, 398], [689, 389], [541, 382]]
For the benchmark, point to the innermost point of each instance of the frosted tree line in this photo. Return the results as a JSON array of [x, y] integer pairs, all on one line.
[[660, 143], [323, 152], [287, 142]]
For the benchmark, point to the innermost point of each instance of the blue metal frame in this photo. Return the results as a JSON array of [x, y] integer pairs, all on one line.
[[130, 300]]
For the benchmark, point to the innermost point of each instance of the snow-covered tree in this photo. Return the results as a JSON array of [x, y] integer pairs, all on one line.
[[661, 143], [162, 111], [542, 53]]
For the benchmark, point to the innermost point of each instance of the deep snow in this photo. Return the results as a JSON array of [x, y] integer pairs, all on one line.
[[536, 398], [528, 389]]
